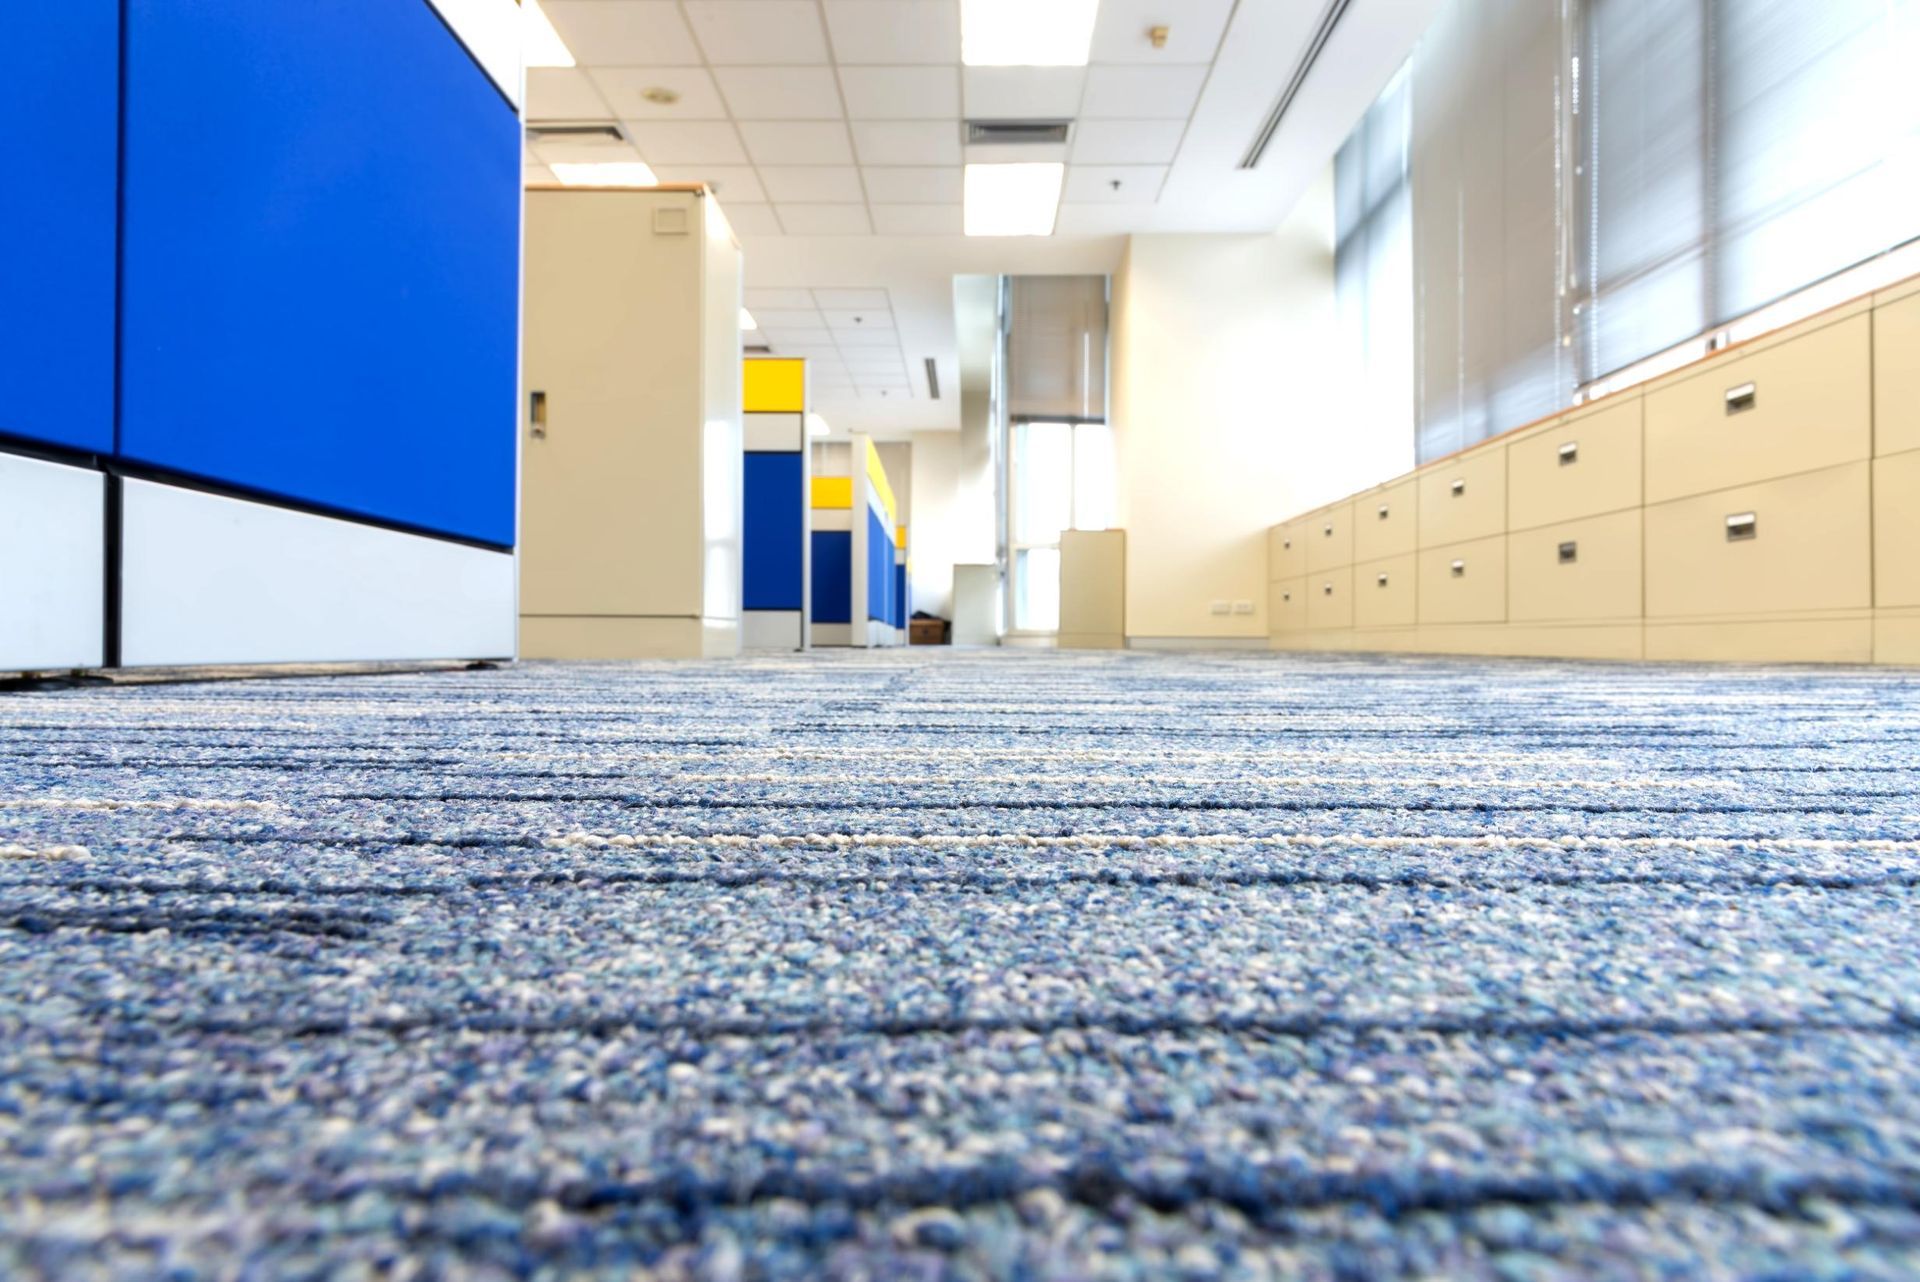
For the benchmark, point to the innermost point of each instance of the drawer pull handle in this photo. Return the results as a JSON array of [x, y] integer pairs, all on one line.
[[1287, 543], [1459, 488], [1327, 588], [1459, 569], [1569, 453], [1286, 596], [537, 414], [1569, 553], [1741, 398], [1383, 511], [1328, 531], [1742, 525], [1383, 581]]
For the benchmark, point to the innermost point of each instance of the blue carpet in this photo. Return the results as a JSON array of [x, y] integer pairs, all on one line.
[[976, 966]]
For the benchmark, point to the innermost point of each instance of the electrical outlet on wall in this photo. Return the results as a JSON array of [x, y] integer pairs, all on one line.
[[1243, 607], [1222, 607]]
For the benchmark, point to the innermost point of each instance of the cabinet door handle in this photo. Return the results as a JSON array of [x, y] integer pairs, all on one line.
[[1741, 398], [1286, 596], [1328, 531], [1742, 525], [1569, 553], [1569, 453], [1459, 569], [537, 414], [1382, 581], [1383, 511], [1459, 488], [1327, 588], [1287, 544]]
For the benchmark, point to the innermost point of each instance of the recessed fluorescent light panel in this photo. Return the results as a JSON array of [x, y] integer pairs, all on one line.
[[624, 173], [1026, 33], [746, 320], [540, 44], [1013, 200], [817, 426]]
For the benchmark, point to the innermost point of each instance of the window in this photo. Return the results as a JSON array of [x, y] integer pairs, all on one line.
[[1060, 476], [1373, 258]]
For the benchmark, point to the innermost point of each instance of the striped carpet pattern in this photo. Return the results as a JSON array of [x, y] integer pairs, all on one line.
[[965, 965]]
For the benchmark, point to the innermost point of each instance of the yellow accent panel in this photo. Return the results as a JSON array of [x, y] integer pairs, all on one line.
[[833, 492], [877, 473], [775, 385], [899, 536]]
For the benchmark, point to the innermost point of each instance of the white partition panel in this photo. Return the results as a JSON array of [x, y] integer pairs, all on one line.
[[208, 579], [52, 565]]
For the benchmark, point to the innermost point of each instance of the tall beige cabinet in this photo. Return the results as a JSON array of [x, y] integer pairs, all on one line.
[[631, 427]]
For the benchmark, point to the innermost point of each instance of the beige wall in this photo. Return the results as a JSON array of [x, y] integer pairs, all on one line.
[[1223, 381]]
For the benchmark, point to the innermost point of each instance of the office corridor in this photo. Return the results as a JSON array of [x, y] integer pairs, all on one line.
[[899, 965]]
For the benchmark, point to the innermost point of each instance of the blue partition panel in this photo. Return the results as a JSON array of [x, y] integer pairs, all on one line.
[[899, 596], [60, 95], [322, 259], [772, 560], [879, 569], [832, 576]]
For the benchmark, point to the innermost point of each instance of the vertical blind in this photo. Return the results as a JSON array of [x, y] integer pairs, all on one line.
[[1373, 259], [1590, 182]]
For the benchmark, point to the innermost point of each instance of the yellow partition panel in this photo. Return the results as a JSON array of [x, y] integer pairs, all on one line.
[[833, 492], [774, 385]]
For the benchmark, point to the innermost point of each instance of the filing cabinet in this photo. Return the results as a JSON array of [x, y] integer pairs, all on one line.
[[1896, 530], [1287, 604], [1464, 582], [1896, 375], [1576, 570], [1582, 465], [1286, 558], [1383, 593], [1383, 522], [1329, 536], [1464, 498], [1794, 405], [1330, 599], [1797, 543]]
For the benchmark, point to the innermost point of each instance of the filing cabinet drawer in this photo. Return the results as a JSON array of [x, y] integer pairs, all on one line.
[[1287, 605], [1383, 522], [1586, 464], [1801, 543], [1329, 536], [1798, 406], [1896, 530], [1464, 582], [1383, 593], [1465, 498], [1286, 559], [1576, 570], [1330, 599], [1896, 376]]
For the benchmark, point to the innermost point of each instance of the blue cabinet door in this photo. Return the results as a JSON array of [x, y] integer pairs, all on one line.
[[60, 95], [773, 554], [321, 271]]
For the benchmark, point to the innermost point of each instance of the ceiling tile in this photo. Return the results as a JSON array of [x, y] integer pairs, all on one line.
[[693, 143], [1094, 184], [1126, 142], [787, 336], [825, 220], [781, 142], [752, 220], [858, 340], [764, 32], [1023, 93], [625, 90], [859, 320], [791, 319], [901, 93], [733, 184], [913, 185], [780, 93], [563, 93], [896, 392], [881, 363], [916, 142], [634, 33], [1193, 30], [814, 352], [1142, 93], [813, 184], [842, 299], [892, 31], [787, 299], [917, 220], [583, 151]]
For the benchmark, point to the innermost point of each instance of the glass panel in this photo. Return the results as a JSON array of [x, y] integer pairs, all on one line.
[[1093, 477], [1042, 481], [1036, 591]]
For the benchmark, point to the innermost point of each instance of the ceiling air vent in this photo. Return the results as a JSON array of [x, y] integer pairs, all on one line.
[[555, 131], [1001, 133], [933, 378], [1330, 19]]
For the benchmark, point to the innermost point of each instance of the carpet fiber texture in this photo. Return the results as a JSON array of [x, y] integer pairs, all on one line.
[[993, 965]]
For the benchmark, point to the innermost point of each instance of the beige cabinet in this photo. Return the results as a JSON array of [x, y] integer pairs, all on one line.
[[1287, 605], [1896, 530], [1093, 590], [1464, 582], [1286, 557], [1896, 375], [1799, 543], [1383, 593], [1464, 498], [1330, 599], [1384, 522], [1329, 536], [1576, 570], [1585, 464], [1790, 406]]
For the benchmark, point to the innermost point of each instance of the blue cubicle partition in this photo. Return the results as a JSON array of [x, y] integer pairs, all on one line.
[[776, 546], [879, 570]]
